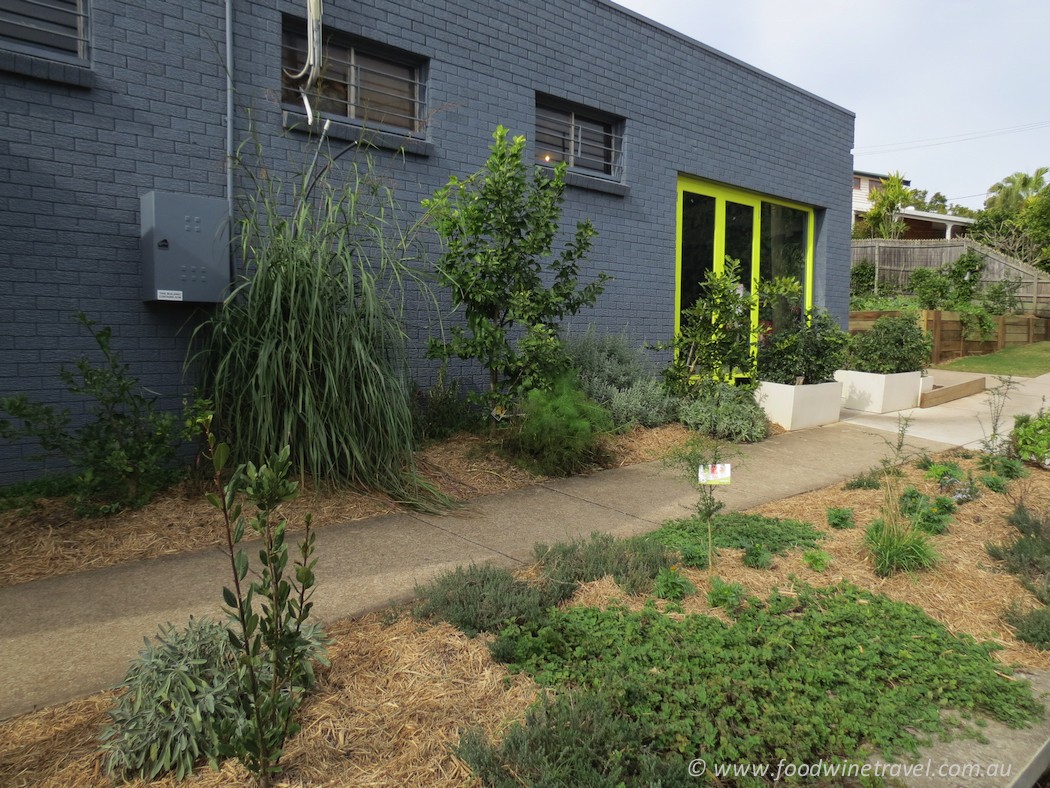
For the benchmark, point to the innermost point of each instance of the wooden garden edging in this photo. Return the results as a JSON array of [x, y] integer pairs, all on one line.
[[947, 332]]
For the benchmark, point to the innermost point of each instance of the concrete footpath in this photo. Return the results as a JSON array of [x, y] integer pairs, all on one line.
[[69, 636]]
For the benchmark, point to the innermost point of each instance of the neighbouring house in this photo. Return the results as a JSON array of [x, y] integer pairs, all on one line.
[[921, 225], [119, 116]]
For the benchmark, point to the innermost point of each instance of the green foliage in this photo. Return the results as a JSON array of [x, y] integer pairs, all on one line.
[[994, 482], [960, 490], [840, 517], [580, 739], [1007, 467], [739, 531], [724, 412], [887, 202], [126, 450], [898, 549], [559, 432], [268, 612], [498, 231], [926, 514], [309, 349], [615, 374], [757, 556], [179, 700], [862, 279], [633, 563], [714, 336], [940, 471], [807, 347], [817, 560], [673, 585], [1027, 556], [894, 344], [829, 679], [869, 480], [24, 495], [441, 411], [728, 596], [1031, 437], [485, 598], [1033, 626]]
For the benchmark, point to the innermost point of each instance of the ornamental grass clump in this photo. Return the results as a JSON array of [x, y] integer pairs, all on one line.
[[309, 348], [895, 543]]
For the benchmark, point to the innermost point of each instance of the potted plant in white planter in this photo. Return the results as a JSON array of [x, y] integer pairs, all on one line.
[[797, 360], [886, 366]]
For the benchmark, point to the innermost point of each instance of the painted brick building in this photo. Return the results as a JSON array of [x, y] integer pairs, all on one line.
[[679, 154]]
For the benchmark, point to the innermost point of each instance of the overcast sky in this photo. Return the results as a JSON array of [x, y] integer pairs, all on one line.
[[953, 93]]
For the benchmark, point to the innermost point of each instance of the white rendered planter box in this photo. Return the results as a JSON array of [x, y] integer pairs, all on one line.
[[799, 407], [875, 393]]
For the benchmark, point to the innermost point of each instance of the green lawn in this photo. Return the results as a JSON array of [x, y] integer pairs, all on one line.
[[1026, 361]]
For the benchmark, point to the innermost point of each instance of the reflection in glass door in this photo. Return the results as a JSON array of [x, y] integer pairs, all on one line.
[[697, 245]]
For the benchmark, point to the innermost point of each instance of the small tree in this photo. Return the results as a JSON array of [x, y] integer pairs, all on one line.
[[886, 203], [498, 229]]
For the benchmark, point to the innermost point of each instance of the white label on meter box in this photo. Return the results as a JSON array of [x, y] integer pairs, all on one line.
[[169, 295]]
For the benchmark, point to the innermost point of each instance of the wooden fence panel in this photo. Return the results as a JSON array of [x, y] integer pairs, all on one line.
[[896, 259]]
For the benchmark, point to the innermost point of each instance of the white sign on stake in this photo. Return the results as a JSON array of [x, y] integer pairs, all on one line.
[[714, 474]]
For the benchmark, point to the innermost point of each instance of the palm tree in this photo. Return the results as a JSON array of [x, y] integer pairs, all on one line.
[[1012, 192]]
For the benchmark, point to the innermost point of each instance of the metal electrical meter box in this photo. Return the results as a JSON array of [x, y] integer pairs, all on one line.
[[185, 247]]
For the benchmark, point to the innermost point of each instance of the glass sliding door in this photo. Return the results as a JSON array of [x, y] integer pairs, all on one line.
[[769, 237]]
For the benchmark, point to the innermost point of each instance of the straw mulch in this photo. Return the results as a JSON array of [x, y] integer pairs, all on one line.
[[387, 712], [51, 540]]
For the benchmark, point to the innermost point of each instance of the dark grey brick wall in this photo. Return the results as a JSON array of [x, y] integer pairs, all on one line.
[[76, 155]]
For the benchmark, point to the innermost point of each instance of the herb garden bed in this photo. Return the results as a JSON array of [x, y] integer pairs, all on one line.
[[399, 693]]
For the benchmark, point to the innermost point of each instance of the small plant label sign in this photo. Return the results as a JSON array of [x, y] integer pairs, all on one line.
[[714, 474]]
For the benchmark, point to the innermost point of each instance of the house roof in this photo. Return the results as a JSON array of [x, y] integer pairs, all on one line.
[[942, 218]]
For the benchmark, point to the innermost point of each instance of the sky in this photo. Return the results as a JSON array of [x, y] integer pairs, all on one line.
[[954, 94]]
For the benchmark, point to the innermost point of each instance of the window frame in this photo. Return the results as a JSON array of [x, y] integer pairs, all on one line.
[[351, 97], [580, 128], [68, 14]]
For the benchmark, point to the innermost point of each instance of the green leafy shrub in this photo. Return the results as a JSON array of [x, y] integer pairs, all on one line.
[[1033, 626], [931, 515], [127, 449], [837, 653], [894, 344], [714, 335], [178, 701], [24, 495], [724, 412], [645, 402], [559, 432], [817, 560], [269, 612], [994, 482], [728, 596], [1027, 556], [896, 548], [869, 480], [938, 472], [1008, 468], [739, 531], [441, 411], [1031, 438], [498, 229], [577, 739], [484, 598], [633, 563], [606, 361], [672, 584], [808, 347], [862, 279], [840, 517], [757, 556]]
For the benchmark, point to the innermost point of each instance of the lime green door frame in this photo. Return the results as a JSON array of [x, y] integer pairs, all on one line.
[[722, 195]]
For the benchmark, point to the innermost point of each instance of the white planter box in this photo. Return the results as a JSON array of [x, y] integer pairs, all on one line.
[[875, 393], [926, 384], [799, 407]]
